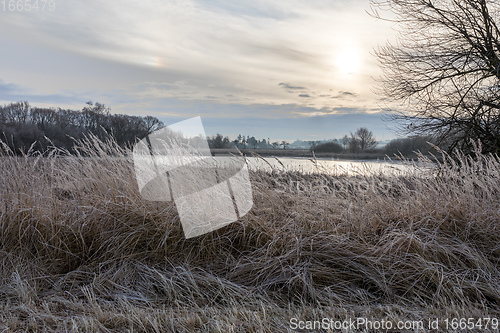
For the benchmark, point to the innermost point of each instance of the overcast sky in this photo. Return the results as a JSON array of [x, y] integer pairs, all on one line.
[[284, 69]]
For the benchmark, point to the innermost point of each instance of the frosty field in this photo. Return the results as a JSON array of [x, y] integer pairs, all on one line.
[[81, 251]]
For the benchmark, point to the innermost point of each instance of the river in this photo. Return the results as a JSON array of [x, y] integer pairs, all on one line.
[[333, 166]]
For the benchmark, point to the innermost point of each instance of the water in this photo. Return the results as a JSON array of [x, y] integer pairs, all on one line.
[[323, 165], [331, 166]]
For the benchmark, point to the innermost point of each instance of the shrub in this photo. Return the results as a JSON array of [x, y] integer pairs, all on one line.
[[328, 147]]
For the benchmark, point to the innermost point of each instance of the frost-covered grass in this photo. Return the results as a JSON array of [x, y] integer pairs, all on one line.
[[80, 250]]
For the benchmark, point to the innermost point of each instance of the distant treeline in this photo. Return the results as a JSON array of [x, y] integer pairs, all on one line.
[[360, 142], [404, 146], [23, 126]]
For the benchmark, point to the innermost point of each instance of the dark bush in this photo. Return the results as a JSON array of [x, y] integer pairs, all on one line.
[[328, 147]]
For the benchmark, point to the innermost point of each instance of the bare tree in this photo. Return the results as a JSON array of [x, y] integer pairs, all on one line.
[[364, 138], [345, 142], [152, 124], [444, 69]]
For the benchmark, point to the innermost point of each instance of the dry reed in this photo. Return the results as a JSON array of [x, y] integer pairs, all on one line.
[[81, 251]]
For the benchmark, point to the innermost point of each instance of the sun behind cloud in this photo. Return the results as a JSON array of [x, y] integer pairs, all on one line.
[[348, 61]]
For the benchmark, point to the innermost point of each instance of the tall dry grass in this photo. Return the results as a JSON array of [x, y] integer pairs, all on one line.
[[80, 250]]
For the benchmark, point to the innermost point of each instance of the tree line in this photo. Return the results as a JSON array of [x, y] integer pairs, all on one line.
[[23, 126], [242, 141], [361, 141]]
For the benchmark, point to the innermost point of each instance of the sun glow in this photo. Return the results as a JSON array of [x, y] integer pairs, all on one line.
[[348, 61], [152, 61]]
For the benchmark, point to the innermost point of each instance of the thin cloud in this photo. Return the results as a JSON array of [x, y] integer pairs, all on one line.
[[9, 88], [290, 87], [344, 95], [313, 112]]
